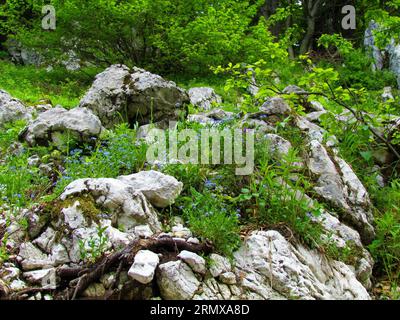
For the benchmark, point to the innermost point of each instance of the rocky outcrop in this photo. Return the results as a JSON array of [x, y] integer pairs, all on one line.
[[272, 268], [369, 43], [122, 95], [58, 125], [338, 185]]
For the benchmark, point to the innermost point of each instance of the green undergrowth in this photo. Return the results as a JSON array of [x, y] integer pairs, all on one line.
[[35, 85]]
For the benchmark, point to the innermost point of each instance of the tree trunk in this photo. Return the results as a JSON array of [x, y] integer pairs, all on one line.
[[311, 9]]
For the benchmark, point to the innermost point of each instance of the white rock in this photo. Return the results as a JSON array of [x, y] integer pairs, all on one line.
[[9, 273], [59, 255], [275, 106], [219, 265], [11, 109], [177, 281], [193, 241], [342, 189], [277, 145], [73, 216], [317, 106], [46, 278], [144, 266], [32, 258], [197, 263], [81, 124], [161, 190], [270, 266], [46, 240], [17, 285], [203, 97], [136, 94], [129, 206]]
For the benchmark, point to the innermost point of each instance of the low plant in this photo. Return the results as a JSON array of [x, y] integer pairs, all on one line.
[[92, 249], [212, 219]]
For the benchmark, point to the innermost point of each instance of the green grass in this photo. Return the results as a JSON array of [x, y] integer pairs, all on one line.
[[33, 85]]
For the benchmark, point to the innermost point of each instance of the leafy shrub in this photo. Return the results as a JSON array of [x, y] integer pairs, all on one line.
[[210, 218]]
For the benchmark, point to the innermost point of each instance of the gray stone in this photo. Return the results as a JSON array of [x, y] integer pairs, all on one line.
[[55, 125], [219, 265], [161, 190], [197, 263], [177, 281], [203, 97], [275, 106], [136, 95], [129, 206], [278, 146]]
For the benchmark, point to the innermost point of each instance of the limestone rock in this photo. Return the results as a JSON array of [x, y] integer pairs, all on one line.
[[203, 97], [278, 146], [54, 125], [276, 106], [177, 281], [337, 184], [135, 95], [47, 278], [219, 265], [144, 266], [12, 109], [197, 263], [161, 190], [130, 206], [270, 266]]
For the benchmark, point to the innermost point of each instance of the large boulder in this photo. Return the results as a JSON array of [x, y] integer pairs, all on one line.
[[12, 109], [120, 94], [54, 125]]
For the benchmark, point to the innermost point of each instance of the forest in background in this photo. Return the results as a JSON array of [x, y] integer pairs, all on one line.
[[227, 45]]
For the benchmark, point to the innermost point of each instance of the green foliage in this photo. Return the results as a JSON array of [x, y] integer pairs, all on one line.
[[33, 85], [386, 247], [355, 69], [274, 201], [92, 249], [119, 154], [210, 218], [156, 34], [19, 184]]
